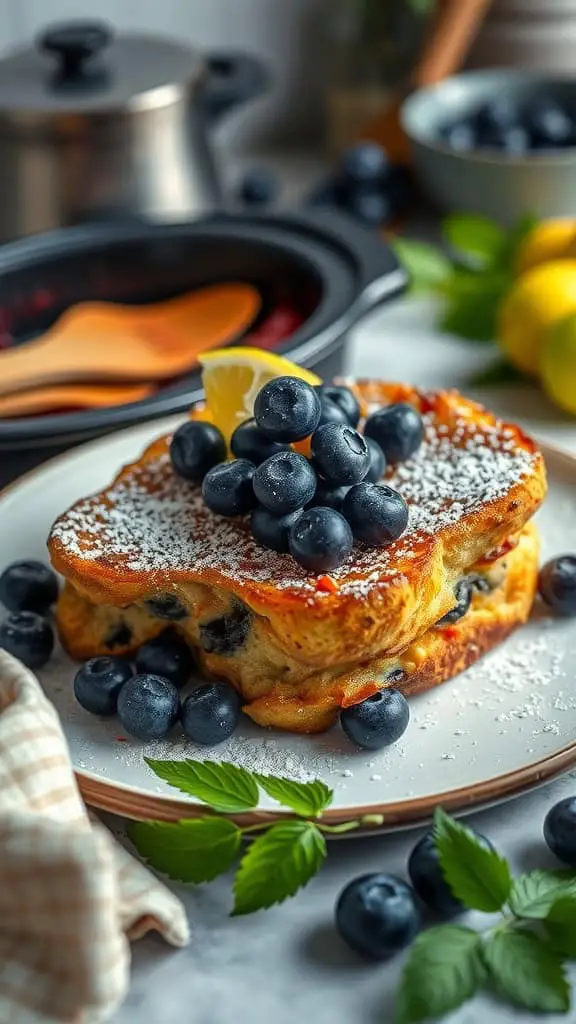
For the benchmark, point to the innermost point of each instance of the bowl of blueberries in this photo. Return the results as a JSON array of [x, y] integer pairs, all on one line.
[[498, 142]]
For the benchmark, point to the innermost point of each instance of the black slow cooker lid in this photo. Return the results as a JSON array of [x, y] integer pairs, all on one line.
[[336, 268]]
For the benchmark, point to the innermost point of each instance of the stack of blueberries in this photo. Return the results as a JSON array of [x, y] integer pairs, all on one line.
[[313, 507]]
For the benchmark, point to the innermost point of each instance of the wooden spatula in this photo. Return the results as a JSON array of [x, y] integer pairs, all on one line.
[[71, 396], [102, 342], [452, 32]]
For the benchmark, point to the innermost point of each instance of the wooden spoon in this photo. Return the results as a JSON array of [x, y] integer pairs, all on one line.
[[100, 341], [72, 396], [452, 33]]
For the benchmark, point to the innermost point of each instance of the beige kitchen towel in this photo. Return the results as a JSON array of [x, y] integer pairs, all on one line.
[[71, 898]]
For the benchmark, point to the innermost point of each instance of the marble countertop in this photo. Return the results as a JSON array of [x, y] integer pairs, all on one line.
[[287, 963]]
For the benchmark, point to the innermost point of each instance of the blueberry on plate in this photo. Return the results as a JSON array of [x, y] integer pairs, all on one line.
[[320, 540], [428, 879], [98, 682], [28, 587], [287, 409], [344, 398], [378, 515], [377, 916], [195, 448], [249, 442], [211, 713], [28, 637], [377, 462], [557, 584], [371, 207], [148, 707], [398, 429], [258, 186], [227, 489], [365, 162], [168, 655], [284, 483], [560, 830], [330, 412], [329, 495], [463, 593], [272, 531], [378, 721], [340, 454]]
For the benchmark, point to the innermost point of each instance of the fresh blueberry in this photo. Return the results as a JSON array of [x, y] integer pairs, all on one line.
[[428, 879], [98, 682], [227, 633], [284, 483], [514, 140], [148, 707], [340, 454], [329, 496], [377, 514], [320, 540], [557, 584], [461, 137], [377, 462], [331, 413], [371, 207], [28, 637], [272, 531], [377, 916], [211, 713], [365, 162], [499, 113], [463, 594], [549, 124], [560, 830], [195, 448], [227, 489], [399, 188], [344, 398], [258, 186], [168, 655], [249, 442], [378, 721], [398, 429], [28, 587], [287, 409]]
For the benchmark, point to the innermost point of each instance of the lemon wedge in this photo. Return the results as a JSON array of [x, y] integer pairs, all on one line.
[[232, 377]]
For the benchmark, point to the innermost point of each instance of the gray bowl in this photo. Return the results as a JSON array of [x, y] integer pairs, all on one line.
[[486, 181]]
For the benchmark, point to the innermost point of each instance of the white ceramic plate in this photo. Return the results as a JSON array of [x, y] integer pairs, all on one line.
[[502, 727]]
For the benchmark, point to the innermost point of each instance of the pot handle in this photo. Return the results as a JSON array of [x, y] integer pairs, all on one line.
[[231, 79]]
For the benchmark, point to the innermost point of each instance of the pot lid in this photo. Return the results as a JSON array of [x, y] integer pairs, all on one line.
[[84, 67]]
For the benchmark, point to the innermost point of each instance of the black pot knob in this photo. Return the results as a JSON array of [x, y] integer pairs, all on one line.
[[74, 43]]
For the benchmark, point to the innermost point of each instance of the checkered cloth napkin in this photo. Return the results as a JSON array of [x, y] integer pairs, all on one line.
[[71, 897]]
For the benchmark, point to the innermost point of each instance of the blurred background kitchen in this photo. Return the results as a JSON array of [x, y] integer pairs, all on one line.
[[333, 155]]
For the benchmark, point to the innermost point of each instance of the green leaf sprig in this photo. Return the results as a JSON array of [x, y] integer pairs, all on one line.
[[282, 858], [470, 273], [521, 958]]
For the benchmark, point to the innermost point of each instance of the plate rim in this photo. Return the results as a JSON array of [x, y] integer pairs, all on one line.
[[130, 802]]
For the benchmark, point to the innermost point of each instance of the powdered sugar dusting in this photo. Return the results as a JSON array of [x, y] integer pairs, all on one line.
[[152, 521]]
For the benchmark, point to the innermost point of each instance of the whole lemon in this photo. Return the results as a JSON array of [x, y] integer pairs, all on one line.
[[558, 364], [536, 301], [553, 239]]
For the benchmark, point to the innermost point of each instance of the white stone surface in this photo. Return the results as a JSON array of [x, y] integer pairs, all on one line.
[[287, 964]]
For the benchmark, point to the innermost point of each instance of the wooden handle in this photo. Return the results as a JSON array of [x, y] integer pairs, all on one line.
[[451, 35]]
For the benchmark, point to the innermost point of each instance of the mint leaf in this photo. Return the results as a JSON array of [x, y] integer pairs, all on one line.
[[443, 970], [427, 266], [561, 926], [474, 236], [514, 239], [533, 895], [277, 864], [219, 785], [476, 873], [472, 304], [307, 799], [196, 851], [498, 372], [523, 968]]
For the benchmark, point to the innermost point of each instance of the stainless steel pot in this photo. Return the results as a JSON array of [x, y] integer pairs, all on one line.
[[94, 126]]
